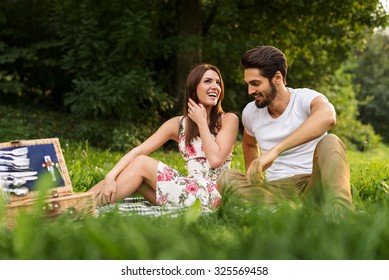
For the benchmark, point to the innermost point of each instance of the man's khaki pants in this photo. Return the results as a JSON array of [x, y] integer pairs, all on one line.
[[329, 183]]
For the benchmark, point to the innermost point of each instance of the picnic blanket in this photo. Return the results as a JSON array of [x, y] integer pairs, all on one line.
[[140, 206]]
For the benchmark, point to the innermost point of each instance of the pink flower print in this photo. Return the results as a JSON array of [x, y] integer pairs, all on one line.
[[191, 188], [162, 199], [167, 175], [183, 181], [191, 150], [164, 177], [167, 169], [216, 202], [201, 160], [211, 187], [170, 173]]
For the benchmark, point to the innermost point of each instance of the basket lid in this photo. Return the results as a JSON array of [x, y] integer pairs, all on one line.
[[29, 164]]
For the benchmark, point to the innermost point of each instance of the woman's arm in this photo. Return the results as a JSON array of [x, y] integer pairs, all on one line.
[[216, 150], [168, 131]]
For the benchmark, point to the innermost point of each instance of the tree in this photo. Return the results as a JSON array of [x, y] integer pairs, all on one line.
[[340, 90], [372, 79], [316, 36], [189, 42], [30, 68], [116, 60]]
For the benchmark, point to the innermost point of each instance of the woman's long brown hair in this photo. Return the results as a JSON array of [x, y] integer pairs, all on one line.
[[193, 80]]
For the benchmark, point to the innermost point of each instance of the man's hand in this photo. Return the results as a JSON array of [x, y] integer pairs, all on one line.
[[259, 165], [254, 172]]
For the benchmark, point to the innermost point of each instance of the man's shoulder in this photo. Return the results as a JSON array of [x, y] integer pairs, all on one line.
[[249, 106], [305, 94], [302, 92]]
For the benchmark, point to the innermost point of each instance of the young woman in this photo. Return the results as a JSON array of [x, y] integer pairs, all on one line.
[[205, 136]]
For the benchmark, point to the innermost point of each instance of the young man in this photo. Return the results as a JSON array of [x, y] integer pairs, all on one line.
[[285, 134]]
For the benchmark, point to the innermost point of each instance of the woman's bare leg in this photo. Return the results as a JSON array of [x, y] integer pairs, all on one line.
[[148, 193], [140, 176]]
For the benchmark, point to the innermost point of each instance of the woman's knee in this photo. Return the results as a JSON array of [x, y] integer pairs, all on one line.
[[141, 162], [144, 166]]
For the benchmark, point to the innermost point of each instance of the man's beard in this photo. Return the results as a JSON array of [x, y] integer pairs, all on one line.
[[268, 98]]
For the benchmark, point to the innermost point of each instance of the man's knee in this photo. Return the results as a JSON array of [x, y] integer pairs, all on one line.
[[331, 141], [226, 178]]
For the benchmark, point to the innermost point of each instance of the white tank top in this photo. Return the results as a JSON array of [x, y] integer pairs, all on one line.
[[270, 131]]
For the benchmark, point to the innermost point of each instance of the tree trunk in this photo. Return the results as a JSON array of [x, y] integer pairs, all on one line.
[[189, 43]]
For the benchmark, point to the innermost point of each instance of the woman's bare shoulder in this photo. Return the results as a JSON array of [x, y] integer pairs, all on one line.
[[230, 117], [173, 126]]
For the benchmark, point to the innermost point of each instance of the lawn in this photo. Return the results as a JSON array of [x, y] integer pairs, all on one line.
[[235, 231]]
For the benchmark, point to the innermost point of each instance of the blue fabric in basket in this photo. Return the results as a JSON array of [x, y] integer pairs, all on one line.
[[36, 154]]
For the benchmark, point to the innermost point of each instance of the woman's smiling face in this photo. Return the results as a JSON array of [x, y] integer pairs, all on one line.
[[209, 88]]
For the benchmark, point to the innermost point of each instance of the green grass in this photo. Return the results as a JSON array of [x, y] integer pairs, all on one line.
[[235, 231]]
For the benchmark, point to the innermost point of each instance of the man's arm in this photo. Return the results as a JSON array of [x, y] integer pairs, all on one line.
[[251, 159], [250, 149], [322, 119]]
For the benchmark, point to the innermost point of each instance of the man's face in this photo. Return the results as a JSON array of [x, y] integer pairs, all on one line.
[[263, 90]]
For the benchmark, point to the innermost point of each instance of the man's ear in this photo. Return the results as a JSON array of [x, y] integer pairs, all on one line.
[[278, 78]]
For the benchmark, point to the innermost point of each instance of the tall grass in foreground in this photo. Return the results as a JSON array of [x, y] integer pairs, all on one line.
[[235, 231]]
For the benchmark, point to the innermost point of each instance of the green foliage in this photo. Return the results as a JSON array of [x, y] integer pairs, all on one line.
[[357, 136], [316, 36], [372, 79], [340, 91], [33, 123], [370, 176], [30, 70], [113, 135], [105, 50], [114, 66], [117, 58], [236, 231]]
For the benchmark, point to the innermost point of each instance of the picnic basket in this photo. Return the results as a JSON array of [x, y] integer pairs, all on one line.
[[42, 162]]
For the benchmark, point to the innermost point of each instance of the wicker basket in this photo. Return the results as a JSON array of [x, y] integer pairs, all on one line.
[[60, 197]]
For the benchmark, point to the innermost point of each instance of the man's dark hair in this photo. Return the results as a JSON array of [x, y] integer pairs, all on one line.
[[267, 59]]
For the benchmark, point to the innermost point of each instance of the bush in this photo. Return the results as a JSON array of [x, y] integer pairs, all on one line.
[[109, 66], [113, 134], [32, 123], [340, 92], [356, 136]]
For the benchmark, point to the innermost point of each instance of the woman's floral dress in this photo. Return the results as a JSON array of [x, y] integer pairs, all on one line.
[[174, 188]]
